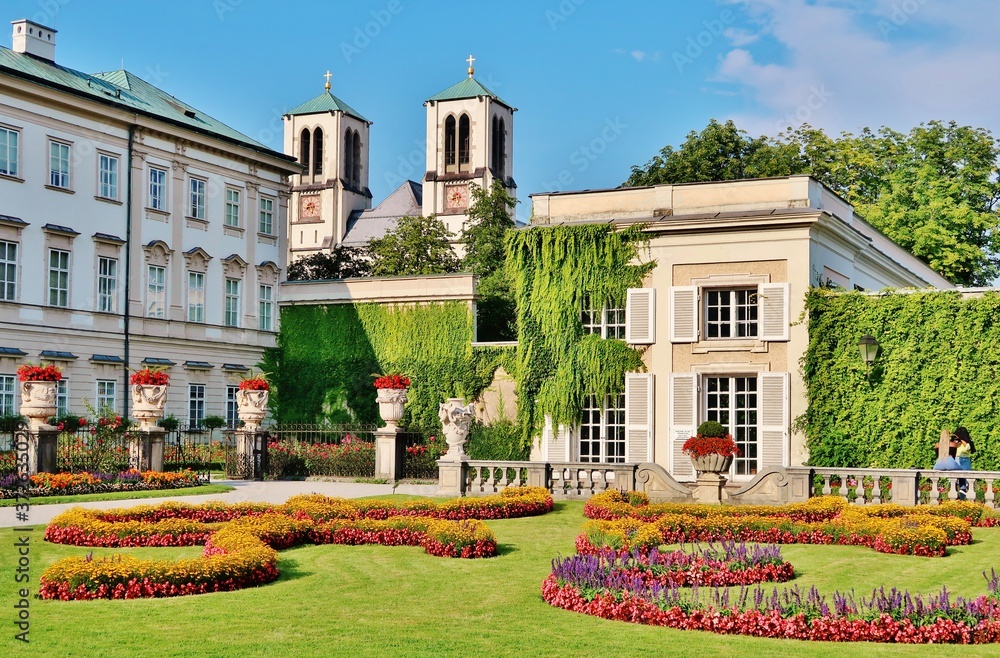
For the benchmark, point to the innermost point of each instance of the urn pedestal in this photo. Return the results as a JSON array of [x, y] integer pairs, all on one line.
[[38, 404], [251, 407], [711, 484], [145, 448]]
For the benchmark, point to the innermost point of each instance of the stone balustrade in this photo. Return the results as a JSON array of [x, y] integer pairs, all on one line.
[[565, 480]]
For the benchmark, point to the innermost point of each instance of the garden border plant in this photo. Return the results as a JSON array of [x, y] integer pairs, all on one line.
[[620, 574], [241, 540]]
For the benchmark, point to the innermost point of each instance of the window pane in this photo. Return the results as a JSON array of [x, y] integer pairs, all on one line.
[[8, 271], [8, 151]]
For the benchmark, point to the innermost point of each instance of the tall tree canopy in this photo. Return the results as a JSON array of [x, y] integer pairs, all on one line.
[[340, 263], [934, 190], [491, 216], [418, 245]]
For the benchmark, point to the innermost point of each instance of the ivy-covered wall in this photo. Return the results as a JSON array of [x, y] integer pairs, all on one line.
[[551, 270], [938, 367], [328, 355]]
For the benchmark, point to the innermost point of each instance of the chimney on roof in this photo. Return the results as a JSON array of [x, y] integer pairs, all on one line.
[[34, 39]]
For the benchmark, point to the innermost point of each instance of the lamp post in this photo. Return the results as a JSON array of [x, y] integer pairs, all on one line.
[[869, 350]]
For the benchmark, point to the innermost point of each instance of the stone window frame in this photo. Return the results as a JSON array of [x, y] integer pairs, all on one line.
[[191, 210], [165, 170], [157, 254], [234, 268], [240, 198], [260, 212], [19, 131], [61, 141], [101, 153], [196, 261], [107, 246]]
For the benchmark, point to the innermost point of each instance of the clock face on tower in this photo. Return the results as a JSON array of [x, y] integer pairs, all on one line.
[[456, 197], [309, 207]]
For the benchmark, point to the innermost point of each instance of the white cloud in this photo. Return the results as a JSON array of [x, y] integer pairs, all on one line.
[[740, 37], [638, 55], [844, 64]]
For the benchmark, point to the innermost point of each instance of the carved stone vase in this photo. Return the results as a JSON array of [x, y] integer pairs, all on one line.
[[391, 404], [147, 404], [455, 420], [251, 408], [711, 463], [38, 402]]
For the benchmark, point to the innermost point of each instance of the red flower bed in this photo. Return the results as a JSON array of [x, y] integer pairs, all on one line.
[[392, 380], [150, 377], [254, 384], [32, 373], [242, 551]]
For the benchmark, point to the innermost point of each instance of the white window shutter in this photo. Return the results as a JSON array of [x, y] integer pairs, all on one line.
[[638, 417], [684, 314], [683, 422], [773, 415], [547, 453], [640, 316], [559, 450], [773, 300]]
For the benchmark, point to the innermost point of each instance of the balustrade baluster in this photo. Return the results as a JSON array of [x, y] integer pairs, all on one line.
[[859, 492], [826, 485], [952, 488], [988, 497], [844, 492], [935, 496], [876, 490]]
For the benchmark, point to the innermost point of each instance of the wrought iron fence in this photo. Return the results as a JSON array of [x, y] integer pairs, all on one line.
[[301, 450], [419, 457]]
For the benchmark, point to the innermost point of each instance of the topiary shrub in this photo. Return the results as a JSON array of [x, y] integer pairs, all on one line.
[[712, 428]]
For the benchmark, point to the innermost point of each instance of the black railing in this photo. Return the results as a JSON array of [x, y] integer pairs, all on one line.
[[419, 457], [301, 450]]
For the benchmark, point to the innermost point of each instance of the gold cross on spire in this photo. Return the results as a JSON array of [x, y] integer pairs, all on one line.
[[327, 75], [470, 61]]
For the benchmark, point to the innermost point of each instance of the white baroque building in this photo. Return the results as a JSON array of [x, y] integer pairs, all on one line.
[[134, 229]]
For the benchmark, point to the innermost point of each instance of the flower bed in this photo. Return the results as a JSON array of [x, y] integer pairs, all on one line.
[[892, 616], [621, 521], [73, 484], [241, 553], [352, 457], [730, 563]]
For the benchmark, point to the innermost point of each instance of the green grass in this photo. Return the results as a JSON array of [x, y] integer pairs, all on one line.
[[387, 601], [123, 495]]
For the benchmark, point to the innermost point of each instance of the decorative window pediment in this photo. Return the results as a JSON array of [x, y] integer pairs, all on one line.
[[267, 273], [197, 259], [233, 266], [158, 253]]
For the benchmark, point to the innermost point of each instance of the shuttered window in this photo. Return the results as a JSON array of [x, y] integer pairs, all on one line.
[[640, 316], [638, 417]]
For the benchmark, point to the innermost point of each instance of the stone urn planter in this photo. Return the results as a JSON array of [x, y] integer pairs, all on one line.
[[391, 404], [251, 407], [148, 401], [711, 463], [38, 401], [455, 420]]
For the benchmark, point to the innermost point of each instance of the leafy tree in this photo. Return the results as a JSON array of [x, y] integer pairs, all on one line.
[[490, 217], [340, 263], [719, 152], [418, 245], [934, 190]]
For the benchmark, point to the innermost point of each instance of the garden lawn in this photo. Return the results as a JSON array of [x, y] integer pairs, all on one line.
[[122, 495], [385, 601]]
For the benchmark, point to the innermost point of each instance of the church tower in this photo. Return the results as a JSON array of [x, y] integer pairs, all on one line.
[[330, 139], [470, 136]]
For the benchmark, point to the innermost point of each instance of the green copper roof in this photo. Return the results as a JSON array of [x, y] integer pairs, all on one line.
[[325, 102], [126, 90], [468, 88]]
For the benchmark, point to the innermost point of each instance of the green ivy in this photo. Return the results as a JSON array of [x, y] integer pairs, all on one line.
[[938, 367], [327, 356], [551, 270]]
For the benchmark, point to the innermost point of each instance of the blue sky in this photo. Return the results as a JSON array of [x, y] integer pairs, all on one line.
[[599, 86]]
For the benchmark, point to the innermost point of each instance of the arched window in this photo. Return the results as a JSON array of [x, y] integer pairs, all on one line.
[[356, 160], [463, 141], [348, 154], [304, 148], [450, 150], [318, 151], [498, 151]]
